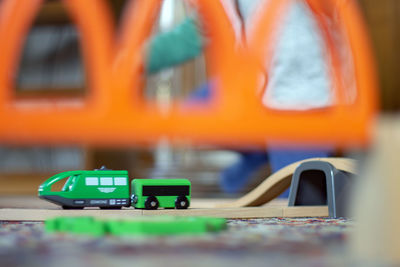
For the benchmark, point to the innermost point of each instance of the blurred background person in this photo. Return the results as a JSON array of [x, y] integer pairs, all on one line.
[[297, 80]]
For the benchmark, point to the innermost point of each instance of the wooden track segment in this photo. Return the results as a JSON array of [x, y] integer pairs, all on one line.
[[29, 208], [7, 214], [278, 182]]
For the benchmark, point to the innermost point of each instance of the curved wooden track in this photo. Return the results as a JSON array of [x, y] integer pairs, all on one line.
[[277, 183]]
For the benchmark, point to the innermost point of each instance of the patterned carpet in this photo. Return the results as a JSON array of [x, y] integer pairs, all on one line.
[[263, 242]]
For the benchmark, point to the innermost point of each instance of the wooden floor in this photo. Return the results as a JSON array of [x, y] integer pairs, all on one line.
[[14, 208]]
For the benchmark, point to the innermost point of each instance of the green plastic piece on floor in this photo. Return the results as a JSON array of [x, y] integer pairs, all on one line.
[[50, 225], [76, 225], [143, 226], [166, 225]]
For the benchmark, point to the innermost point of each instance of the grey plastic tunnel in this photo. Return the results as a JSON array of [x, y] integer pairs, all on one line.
[[320, 183]]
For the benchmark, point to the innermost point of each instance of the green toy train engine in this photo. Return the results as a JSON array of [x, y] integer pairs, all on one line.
[[109, 189]]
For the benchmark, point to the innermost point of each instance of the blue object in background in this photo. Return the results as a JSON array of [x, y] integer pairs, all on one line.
[[236, 177], [201, 94]]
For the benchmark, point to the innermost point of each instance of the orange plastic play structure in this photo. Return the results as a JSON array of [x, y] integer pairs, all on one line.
[[114, 113]]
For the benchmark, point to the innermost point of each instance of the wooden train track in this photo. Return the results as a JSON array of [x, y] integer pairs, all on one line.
[[279, 181], [15, 214], [255, 204]]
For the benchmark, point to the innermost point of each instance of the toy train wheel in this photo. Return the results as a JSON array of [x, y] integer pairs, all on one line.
[[71, 208], [151, 203], [181, 202]]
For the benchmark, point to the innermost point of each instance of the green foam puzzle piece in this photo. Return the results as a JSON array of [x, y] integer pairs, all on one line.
[[166, 225], [78, 225], [143, 226]]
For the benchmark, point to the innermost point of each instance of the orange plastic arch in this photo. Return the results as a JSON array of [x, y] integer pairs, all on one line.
[[113, 113]]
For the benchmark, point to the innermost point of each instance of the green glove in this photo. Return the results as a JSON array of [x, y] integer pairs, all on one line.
[[182, 43]]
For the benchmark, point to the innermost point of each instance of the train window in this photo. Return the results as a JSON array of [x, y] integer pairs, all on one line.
[[69, 184], [92, 181], [106, 181], [120, 181]]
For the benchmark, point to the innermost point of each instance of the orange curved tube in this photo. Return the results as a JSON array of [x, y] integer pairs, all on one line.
[[113, 113]]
